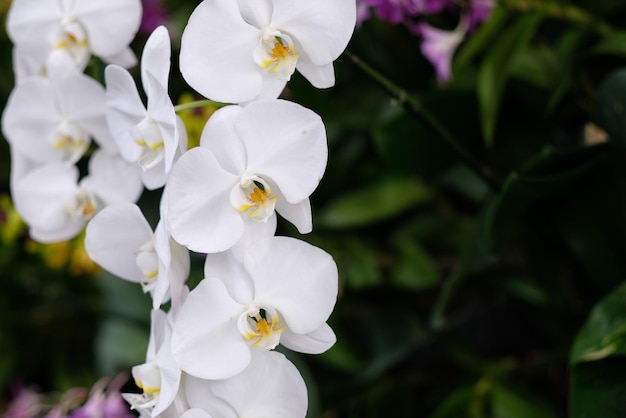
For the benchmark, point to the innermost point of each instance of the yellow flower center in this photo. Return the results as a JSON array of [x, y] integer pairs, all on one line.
[[276, 53], [261, 326], [257, 195]]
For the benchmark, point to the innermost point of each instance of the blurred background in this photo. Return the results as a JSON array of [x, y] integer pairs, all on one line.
[[477, 216]]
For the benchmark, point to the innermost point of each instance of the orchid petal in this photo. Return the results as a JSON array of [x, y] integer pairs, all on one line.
[[42, 195], [226, 267], [315, 342], [257, 13], [113, 238], [82, 100], [320, 76], [298, 214], [113, 179], [124, 110], [220, 67], [297, 279], [110, 24], [156, 58], [206, 342], [253, 393], [286, 143], [323, 27], [126, 58], [200, 216], [220, 137], [30, 120], [161, 110]]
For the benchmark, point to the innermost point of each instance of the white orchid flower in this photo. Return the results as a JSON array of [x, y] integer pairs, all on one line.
[[76, 29], [153, 137], [54, 120], [284, 292], [159, 377], [270, 386], [121, 241], [251, 162], [238, 51], [57, 206]]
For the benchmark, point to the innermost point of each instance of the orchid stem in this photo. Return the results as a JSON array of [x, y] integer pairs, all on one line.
[[198, 103], [413, 105]]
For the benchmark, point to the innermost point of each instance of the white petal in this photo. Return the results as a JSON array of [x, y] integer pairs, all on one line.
[[32, 23], [199, 396], [206, 342], [216, 53], [272, 87], [323, 27], [174, 265], [20, 167], [255, 233], [161, 110], [220, 137], [112, 179], [158, 332], [298, 214], [30, 120], [60, 63], [67, 231], [154, 177], [82, 100], [297, 279], [126, 58], [227, 268], [110, 24], [286, 143], [170, 374], [41, 196], [200, 215], [257, 13], [156, 58], [315, 342], [27, 64], [124, 110], [271, 386], [113, 238], [196, 413], [321, 76]]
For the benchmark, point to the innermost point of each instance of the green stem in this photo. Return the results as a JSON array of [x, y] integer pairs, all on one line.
[[560, 11], [413, 105], [198, 103], [438, 316]]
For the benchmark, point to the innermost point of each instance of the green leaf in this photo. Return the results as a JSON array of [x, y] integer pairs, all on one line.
[[455, 405], [615, 44], [360, 266], [409, 146], [524, 289], [495, 70], [478, 42], [509, 403], [549, 172], [597, 389], [393, 337], [373, 204], [611, 107], [415, 270], [604, 332]]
